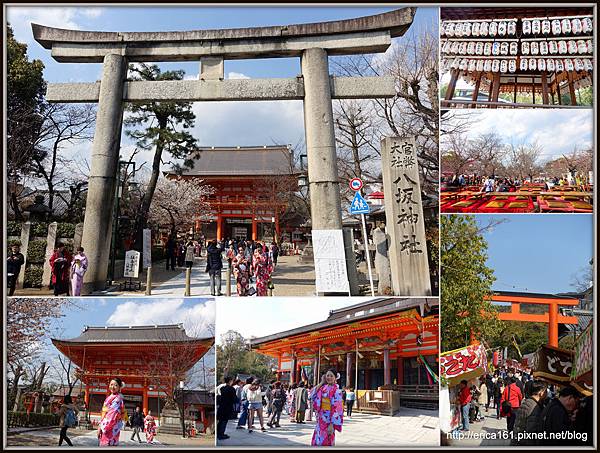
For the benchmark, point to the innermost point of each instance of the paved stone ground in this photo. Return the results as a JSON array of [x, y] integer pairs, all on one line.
[[486, 433], [85, 439], [410, 427]]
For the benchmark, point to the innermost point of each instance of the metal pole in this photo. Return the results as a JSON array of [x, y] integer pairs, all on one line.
[[367, 254]]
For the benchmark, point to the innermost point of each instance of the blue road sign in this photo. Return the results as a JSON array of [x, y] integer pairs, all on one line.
[[359, 205]]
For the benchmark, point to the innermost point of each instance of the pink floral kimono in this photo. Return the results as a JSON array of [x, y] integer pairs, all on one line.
[[113, 417], [262, 272], [329, 409], [241, 274], [150, 427], [78, 267]]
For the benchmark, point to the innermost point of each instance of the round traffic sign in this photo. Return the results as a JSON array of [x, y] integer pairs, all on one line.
[[356, 184]]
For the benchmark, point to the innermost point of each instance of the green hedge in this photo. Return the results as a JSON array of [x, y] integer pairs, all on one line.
[[13, 228], [36, 252], [33, 276], [21, 419], [65, 230], [39, 229]]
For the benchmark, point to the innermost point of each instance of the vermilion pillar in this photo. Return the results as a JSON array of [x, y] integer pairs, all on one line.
[[400, 361], [553, 324], [293, 370], [145, 400], [254, 229], [219, 227]]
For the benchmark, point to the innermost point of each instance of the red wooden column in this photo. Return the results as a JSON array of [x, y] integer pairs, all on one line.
[[254, 228], [293, 370], [545, 97], [553, 324], [145, 399], [349, 369], [571, 88], [277, 227], [219, 227], [400, 362], [86, 396]]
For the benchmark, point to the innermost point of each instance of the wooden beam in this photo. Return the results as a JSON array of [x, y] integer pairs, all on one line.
[[571, 88], [533, 89], [496, 90], [476, 90], [452, 85], [558, 92], [545, 97]]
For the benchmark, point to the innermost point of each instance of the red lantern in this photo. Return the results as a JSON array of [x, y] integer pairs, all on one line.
[[495, 359]]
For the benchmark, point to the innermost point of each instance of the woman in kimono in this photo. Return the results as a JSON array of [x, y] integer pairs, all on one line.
[[60, 264], [241, 272], [329, 410], [114, 415], [262, 271], [150, 427], [78, 268]]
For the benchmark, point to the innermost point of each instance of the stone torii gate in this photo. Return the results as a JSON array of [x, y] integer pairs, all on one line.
[[313, 43]]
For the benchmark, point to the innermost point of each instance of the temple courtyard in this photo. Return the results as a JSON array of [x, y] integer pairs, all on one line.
[[409, 427]]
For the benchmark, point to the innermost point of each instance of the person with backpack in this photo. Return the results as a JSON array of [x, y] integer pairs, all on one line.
[[137, 423], [510, 402], [68, 419]]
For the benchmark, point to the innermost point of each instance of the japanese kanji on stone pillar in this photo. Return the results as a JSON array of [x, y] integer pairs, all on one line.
[[404, 213]]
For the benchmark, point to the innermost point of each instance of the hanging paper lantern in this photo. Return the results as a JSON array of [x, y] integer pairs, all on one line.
[[464, 64], [562, 47], [552, 47], [590, 46], [480, 65], [450, 29], [587, 25], [502, 28], [487, 48], [543, 48], [536, 27], [512, 65], [471, 48], [526, 27], [514, 48], [458, 30], [546, 27], [541, 64], [472, 65], [496, 48], [495, 359], [535, 48], [556, 30], [576, 26], [572, 47], [495, 66], [484, 29], [503, 66], [504, 48], [581, 47], [493, 30], [565, 26], [445, 47], [532, 64], [454, 47], [475, 29], [455, 63], [589, 65], [467, 29], [569, 66], [550, 65], [559, 65], [524, 48], [463, 48], [511, 28], [443, 29], [487, 66], [523, 64], [479, 48], [579, 66]]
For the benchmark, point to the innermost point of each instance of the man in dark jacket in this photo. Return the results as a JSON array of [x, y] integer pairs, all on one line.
[[171, 247], [556, 418], [529, 415], [13, 267], [214, 264], [137, 423], [225, 406]]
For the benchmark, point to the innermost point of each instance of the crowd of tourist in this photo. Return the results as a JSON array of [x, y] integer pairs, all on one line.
[[536, 412], [493, 183], [250, 400]]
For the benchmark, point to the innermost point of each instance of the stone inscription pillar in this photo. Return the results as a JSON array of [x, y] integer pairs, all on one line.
[[323, 182], [404, 214], [97, 226]]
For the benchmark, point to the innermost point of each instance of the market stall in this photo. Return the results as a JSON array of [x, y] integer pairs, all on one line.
[[506, 52]]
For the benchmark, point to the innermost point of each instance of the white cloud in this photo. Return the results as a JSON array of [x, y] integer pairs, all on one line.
[[197, 319], [236, 75], [20, 18]]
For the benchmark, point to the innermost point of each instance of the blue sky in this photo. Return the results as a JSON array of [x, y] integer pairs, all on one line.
[[538, 253], [217, 123]]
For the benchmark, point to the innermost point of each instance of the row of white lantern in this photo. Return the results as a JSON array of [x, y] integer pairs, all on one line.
[[510, 65], [557, 27], [484, 28], [571, 47]]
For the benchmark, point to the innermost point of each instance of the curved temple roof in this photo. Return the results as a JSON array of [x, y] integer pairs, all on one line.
[[396, 22]]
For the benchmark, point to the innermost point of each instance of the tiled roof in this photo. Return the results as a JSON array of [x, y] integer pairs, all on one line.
[[132, 334]]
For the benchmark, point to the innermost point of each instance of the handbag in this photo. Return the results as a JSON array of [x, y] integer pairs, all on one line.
[[506, 407]]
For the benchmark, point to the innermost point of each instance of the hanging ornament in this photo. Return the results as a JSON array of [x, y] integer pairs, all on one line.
[[535, 48], [532, 64], [552, 47], [541, 64], [576, 26], [467, 29], [472, 65], [445, 47], [511, 28], [504, 48], [471, 48], [579, 65], [565, 26], [493, 31], [479, 48], [464, 63], [546, 27], [475, 29], [536, 27], [463, 48], [502, 28], [589, 66], [572, 47], [543, 48], [495, 66], [484, 29], [559, 65], [590, 46], [455, 63], [523, 64], [503, 66], [514, 48], [458, 30], [581, 47], [496, 48], [526, 27], [512, 66], [487, 48], [587, 25], [569, 66], [524, 48], [443, 29], [550, 65], [480, 65], [562, 47], [556, 30], [454, 47], [487, 66], [450, 29]]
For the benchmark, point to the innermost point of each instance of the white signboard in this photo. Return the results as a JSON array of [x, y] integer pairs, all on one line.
[[330, 261], [132, 264], [147, 248]]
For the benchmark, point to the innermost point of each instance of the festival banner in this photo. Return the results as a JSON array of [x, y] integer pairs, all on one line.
[[553, 364], [467, 363], [582, 373]]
